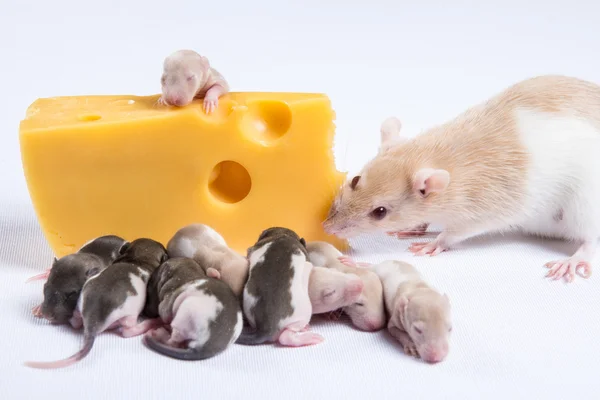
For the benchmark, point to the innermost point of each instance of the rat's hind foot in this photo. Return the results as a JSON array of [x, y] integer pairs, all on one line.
[[297, 339], [568, 268], [419, 230], [130, 326], [43, 275], [407, 343], [427, 248]]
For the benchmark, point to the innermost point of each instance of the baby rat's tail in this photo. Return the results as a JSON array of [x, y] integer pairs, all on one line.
[[88, 343]]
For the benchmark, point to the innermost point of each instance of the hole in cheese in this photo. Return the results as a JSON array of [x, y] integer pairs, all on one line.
[[89, 117], [267, 121], [229, 182]]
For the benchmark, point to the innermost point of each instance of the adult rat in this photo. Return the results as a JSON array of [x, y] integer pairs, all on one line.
[[526, 159]]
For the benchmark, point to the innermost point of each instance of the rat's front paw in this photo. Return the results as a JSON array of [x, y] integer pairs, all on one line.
[[349, 262], [568, 268], [210, 104], [431, 248], [411, 350]]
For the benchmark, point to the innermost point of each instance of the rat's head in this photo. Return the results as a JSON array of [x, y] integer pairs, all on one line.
[[368, 312], [143, 251], [391, 193], [184, 73], [277, 231], [426, 319], [63, 287], [335, 289]]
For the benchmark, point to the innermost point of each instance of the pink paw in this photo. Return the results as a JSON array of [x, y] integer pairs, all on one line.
[[431, 249], [210, 104], [349, 262], [299, 339], [568, 268]]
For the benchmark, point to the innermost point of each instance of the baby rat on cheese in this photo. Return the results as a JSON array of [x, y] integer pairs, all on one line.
[[368, 312], [209, 249], [203, 314], [419, 316], [68, 275], [115, 297], [276, 302], [526, 159], [188, 75]]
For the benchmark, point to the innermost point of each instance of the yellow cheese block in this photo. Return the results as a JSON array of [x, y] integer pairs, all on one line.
[[124, 165]]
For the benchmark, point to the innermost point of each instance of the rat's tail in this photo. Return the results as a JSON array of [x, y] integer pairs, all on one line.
[[38, 277], [252, 338], [179, 353], [88, 342]]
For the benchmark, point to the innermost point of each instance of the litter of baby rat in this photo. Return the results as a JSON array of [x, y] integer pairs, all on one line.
[[187, 311]]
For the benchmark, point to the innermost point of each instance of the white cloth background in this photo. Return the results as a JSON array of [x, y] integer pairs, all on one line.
[[516, 335]]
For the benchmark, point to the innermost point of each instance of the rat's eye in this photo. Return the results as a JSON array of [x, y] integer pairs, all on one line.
[[190, 78], [163, 79], [379, 213], [359, 304], [419, 331], [450, 329]]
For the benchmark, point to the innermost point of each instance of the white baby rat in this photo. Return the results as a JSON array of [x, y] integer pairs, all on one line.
[[527, 159], [209, 249], [419, 316], [188, 75], [276, 302], [330, 289], [368, 312], [203, 314]]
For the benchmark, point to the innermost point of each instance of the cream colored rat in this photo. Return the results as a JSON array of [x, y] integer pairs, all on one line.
[[330, 289], [368, 312], [188, 75], [527, 159], [209, 249], [419, 316]]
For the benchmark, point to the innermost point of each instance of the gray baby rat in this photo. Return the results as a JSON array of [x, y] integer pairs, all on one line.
[[68, 274], [204, 314]]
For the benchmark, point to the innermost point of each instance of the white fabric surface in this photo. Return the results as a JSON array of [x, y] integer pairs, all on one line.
[[516, 335]]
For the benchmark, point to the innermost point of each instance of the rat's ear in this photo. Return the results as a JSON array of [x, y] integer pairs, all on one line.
[[447, 298], [91, 272], [390, 133], [213, 273], [303, 242], [124, 247], [54, 260], [402, 302], [164, 258], [429, 180]]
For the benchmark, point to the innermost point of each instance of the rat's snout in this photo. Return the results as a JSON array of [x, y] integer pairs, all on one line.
[[175, 100], [435, 354]]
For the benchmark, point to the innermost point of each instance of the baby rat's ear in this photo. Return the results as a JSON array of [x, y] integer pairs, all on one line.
[[124, 247], [390, 133], [429, 180]]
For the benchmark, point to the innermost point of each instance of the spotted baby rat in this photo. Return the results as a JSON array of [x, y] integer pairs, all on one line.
[[68, 274], [209, 249], [526, 159], [275, 301], [115, 297], [368, 312], [419, 316], [204, 315], [188, 75]]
